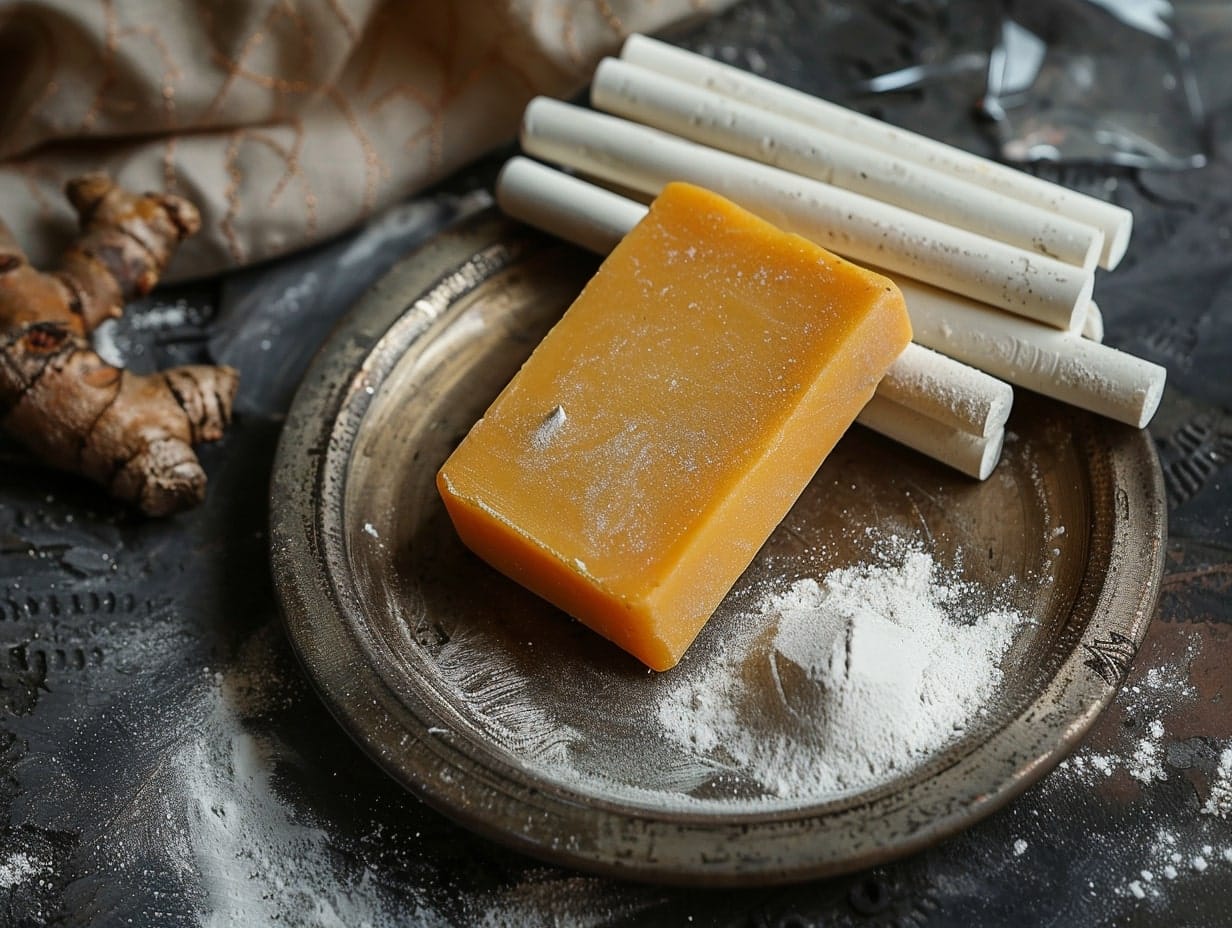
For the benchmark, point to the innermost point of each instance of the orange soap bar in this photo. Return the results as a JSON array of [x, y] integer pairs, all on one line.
[[663, 428]]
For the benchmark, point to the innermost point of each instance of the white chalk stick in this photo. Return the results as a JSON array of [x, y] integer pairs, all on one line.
[[1061, 365], [709, 118], [971, 454], [573, 209], [855, 226], [1114, 221], [928, 383], [948, 391], [1093, 324]]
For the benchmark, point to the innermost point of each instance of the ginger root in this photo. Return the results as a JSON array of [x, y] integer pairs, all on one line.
[[131, 433]]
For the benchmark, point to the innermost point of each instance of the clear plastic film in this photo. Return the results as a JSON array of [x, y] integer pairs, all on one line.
[[1094, 81]]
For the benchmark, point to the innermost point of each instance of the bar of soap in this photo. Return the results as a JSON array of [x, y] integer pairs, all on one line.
[[633, 467]]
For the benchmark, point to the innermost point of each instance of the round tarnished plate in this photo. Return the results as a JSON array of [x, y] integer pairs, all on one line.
[[506, 715]]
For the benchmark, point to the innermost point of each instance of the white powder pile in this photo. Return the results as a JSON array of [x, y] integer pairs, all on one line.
[[878, 668]]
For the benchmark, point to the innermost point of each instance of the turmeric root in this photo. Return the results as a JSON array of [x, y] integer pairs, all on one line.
[[131, 433]]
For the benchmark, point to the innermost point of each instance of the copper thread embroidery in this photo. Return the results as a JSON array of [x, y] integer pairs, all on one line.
[[31, 171], [231, 195], [170, 181], [343, 17], [610, 17], [374, 167]]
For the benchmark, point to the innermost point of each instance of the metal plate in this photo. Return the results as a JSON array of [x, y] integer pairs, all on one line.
[[522, 724]]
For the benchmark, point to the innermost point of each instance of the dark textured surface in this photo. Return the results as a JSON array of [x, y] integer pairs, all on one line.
[[163, 761]]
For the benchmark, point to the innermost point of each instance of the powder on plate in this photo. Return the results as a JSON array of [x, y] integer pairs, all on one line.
[[878, 667]]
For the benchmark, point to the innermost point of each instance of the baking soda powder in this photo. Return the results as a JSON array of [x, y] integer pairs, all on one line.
[[877, 666]]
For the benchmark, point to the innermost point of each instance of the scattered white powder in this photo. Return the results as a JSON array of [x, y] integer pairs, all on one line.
[[216, 818], [1147, 761], [17, 869], [544, 897], [895, 659], [1161, 690], [255, 860], [1163, 856], [115, 346], [1165, 681], [1219, 802], [1101, 763], [1169, 856], [164, 316]]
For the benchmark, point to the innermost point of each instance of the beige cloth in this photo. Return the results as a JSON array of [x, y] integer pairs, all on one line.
[[285, 121]]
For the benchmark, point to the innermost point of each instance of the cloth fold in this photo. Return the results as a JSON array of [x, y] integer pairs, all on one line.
[[285, 121]]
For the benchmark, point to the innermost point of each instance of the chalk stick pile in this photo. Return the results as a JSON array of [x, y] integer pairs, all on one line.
[[996, 266]]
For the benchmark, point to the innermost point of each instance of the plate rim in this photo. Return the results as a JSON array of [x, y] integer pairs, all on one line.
[[308, 595]]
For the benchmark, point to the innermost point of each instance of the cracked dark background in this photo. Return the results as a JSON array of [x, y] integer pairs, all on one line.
[[137, 656]]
